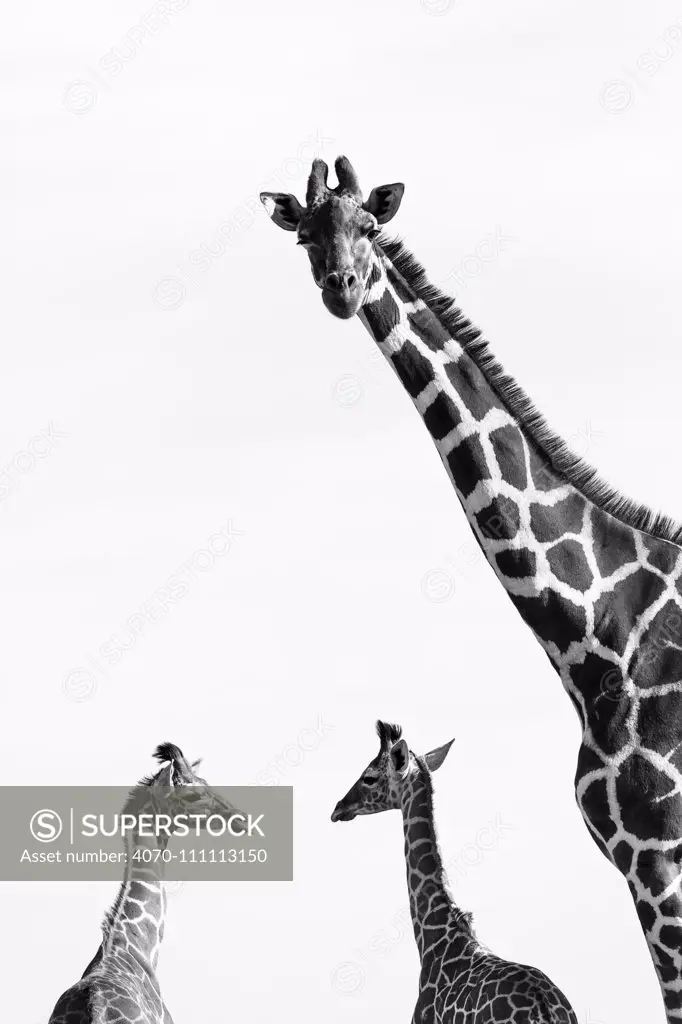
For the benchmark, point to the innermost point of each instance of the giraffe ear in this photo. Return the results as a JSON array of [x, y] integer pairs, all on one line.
[[435, 758], [285, 209], [400, 756], [384, 201]]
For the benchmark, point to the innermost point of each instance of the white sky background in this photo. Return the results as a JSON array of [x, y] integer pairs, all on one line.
[[228, 408]]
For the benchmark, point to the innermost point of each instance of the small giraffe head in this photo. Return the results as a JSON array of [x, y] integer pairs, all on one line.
[[380, 787], [194, 795], [336, 228]]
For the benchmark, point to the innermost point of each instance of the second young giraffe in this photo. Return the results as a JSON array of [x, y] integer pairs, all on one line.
[[597, 577], [119, 985], [460, 980]]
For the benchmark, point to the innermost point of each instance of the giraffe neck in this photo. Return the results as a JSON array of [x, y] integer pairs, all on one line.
[[545, 524], [433, 910], [136, 921]]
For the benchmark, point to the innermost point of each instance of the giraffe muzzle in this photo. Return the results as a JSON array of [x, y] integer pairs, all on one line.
[[343, 302], [343, 813]]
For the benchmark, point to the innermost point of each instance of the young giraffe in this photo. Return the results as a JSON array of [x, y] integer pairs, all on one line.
[[597, 577], [119, 985], [460, 982]]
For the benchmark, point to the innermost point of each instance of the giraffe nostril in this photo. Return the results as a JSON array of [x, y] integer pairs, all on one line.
[[340, 281]]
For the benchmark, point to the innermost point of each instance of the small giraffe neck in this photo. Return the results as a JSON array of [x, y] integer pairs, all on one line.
[[432, 907], [136, 919]]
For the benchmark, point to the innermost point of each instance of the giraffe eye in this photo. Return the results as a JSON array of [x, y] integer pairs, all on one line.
[[371, 780]]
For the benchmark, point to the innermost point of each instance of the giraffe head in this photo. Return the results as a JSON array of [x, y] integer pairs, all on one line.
[[381, 785], [194, 796], [336, 228]]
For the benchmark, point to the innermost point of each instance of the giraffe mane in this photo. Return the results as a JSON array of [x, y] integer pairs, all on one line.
[[111, 915], [559, 456], [464, 918]]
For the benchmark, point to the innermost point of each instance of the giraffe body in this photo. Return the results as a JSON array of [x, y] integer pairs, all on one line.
[[120, 984], [484, 989], [117, 992], [460, 982], [597, 577]]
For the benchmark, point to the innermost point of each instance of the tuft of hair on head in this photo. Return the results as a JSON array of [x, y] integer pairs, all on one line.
[[168, 752], [388, 734]]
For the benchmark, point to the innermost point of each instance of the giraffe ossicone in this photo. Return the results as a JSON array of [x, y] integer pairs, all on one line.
[[120, 985], [460, 980], [595, 575]]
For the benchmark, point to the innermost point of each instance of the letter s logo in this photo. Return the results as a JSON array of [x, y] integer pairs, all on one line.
[[46, 826]]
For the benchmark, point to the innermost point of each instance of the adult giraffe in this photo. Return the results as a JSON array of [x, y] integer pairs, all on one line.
[[597, 577]]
